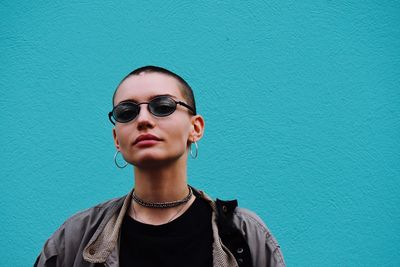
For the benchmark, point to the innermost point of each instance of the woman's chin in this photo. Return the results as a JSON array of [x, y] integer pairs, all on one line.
[[149, 162], [153, 161]]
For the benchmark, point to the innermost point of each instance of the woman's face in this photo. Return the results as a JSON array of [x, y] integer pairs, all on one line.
[[174, 132]]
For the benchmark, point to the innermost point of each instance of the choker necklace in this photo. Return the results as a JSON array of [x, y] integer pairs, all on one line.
[[162, 205]]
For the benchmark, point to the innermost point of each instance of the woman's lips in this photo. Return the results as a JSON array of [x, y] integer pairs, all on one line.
[[146, 139], [146, 143]]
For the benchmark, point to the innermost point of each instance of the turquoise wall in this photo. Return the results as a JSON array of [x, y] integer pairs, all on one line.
[[301, 101]]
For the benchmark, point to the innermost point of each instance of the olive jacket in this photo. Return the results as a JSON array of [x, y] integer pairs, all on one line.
[[91, 238]]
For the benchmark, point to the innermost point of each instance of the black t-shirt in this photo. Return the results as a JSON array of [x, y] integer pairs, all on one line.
[[186, 241]]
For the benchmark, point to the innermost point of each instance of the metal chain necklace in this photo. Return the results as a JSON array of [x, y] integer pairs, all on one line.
[[162, 205]]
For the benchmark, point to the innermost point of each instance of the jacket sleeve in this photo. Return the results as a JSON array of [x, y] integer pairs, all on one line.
[[51, 254], [265, 250]]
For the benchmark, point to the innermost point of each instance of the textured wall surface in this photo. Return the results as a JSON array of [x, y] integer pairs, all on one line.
[[301, 101]]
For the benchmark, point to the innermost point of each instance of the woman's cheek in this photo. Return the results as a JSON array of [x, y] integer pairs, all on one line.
[[123, 138]]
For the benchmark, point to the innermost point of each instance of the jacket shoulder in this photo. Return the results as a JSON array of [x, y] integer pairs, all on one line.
[[263, 245], [75, 232], [94, 212]]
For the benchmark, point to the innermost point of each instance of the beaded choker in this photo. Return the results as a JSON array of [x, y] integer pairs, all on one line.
[[162, 205]]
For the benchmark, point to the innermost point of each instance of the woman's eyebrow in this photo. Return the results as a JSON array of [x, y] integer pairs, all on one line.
[[154, 96]]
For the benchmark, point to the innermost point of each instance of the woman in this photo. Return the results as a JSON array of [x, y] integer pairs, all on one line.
[[162, 221]]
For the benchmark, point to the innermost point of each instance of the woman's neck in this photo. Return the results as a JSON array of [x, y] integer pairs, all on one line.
[[161, 184]]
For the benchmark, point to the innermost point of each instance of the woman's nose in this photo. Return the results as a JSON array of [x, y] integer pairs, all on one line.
[[144, 118]]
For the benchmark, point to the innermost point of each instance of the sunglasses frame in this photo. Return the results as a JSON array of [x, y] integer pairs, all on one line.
[[111, 113]]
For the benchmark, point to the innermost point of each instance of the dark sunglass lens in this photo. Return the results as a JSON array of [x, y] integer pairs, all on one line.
[[125, 112], [162, 106]]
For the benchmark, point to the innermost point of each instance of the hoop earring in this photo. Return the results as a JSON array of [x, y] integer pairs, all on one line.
[[194, 155], [116, 162]]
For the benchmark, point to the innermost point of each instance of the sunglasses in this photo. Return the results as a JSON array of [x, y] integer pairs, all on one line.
[[160, 106]]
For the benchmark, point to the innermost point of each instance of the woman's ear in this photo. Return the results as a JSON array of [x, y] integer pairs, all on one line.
[[197, 128], [116, 142]]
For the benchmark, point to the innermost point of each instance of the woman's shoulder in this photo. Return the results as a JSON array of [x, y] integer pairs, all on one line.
[[77, 230], [258, 234], [98, 209], [90, 217], [250, 217], [249, 221], [94, 214]]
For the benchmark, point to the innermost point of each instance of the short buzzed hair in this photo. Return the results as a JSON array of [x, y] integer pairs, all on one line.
[[184, 87]]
